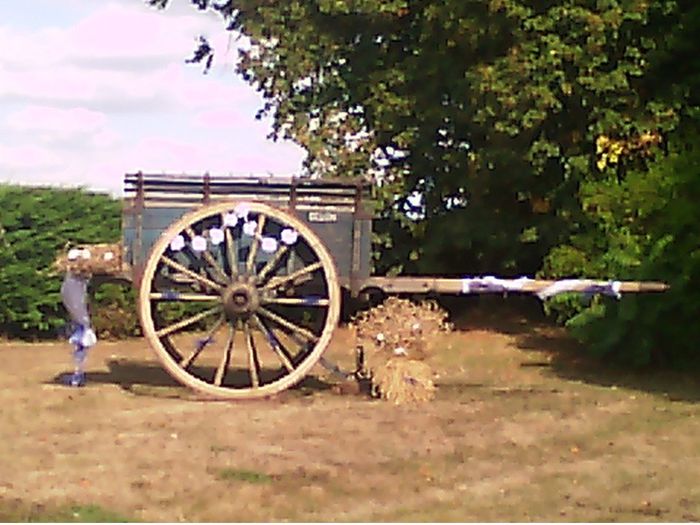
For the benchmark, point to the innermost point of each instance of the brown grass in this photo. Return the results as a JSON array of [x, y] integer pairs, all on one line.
[[519, 431]]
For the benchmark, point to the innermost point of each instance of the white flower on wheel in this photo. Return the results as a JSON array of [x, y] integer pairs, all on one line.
[[216, 236], [178, 243], [199, 243], [249, 228], [269, 244], [230, 219], [289, 236], [242, 211]]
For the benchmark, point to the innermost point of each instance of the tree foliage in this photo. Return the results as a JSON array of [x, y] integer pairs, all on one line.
[[647, 228], [489, 110]]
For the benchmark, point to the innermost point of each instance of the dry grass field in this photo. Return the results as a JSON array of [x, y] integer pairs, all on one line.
[[522, 430]]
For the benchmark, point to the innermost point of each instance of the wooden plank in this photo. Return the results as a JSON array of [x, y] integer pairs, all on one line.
[[193, 205], [301, 182]]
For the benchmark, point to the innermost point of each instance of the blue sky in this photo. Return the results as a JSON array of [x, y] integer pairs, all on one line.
[[92, 89]]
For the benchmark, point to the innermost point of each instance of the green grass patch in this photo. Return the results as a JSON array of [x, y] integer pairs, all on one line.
[[17, 511], [246, 476]]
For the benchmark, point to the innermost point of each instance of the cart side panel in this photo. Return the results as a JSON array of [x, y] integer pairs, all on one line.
[[337, 231], [331, 209], [141, 229]]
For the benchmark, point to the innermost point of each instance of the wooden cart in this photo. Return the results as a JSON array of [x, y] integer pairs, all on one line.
[[240, 279]]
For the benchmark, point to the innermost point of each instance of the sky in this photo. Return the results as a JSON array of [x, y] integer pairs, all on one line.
[[93, 89]]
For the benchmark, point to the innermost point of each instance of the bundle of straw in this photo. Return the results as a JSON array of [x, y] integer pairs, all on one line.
[[91, 259], [394, 339], [404, 381]]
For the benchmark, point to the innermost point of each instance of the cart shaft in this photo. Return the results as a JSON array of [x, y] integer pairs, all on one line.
[[489, 284]]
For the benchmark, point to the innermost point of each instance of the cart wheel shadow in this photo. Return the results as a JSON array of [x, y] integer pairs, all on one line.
[[150, 379]]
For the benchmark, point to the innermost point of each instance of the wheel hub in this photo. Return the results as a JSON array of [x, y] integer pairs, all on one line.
[[240, 299]]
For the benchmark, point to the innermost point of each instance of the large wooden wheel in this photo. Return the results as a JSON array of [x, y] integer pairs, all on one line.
[[239, 300]]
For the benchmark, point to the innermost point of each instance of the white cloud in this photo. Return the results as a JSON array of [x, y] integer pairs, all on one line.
[[27, 157], [111, 93], [56, 123]]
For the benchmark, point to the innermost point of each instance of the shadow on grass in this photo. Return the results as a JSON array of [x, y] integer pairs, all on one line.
[[533, 332], [570, 361], [150, 379]]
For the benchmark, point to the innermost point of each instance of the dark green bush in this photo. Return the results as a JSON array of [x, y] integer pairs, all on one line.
[[35, 224], [646, 227]]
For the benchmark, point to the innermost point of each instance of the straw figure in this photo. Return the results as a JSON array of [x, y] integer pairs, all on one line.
[[79, 264], [101, 259], [393, 341]]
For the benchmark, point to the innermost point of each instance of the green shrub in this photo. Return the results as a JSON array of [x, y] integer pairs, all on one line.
[[35, 224], [645, 227], [113, 312]]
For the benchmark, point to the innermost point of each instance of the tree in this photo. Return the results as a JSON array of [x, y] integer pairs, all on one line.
[[645, 225], [477, 118]]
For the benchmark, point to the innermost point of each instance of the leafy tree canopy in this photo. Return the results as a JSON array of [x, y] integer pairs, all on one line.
[[489, 110]]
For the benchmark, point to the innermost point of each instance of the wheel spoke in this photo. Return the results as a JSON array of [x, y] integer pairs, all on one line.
[[279, 281], [187, 322], [226, 358], [253, 363], [231, 251], [182, 269], [172, 295], [254, 244], [303, 332], [311, 300], [201, 344], [277, 257], [275, 344], [207, 256]]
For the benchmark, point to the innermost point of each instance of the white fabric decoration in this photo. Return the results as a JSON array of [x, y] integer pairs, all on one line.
[[84, 337], [611, 288], [490, 283], [178, 243], [108, 256], [616, 286], [230, 219], [249, 228], [199, 243], [268, 244], [216, 236], [518, 284], [289, 236], [86, 254], [242, 211], [73, 254], [89, 338], [400, 350]]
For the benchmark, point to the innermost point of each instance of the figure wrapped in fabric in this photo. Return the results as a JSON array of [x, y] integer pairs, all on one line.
[[74, 293]]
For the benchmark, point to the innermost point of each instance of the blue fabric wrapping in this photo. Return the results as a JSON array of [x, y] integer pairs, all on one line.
[[74, 297]]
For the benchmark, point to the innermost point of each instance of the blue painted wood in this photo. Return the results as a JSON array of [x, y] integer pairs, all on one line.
[[336, 234]]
